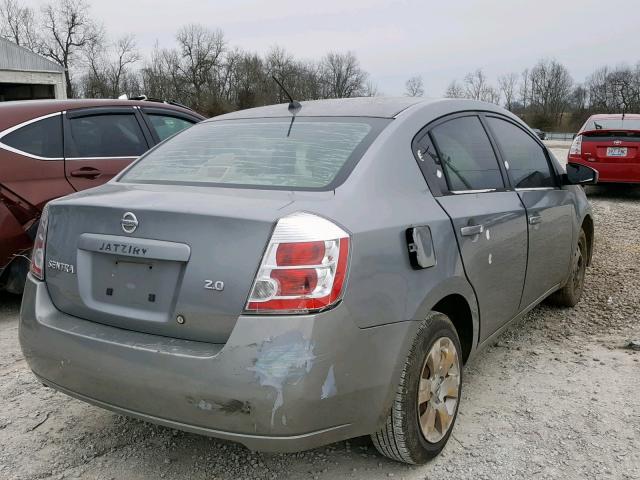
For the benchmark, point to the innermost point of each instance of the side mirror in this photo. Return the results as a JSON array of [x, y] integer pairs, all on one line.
[[578, 174]]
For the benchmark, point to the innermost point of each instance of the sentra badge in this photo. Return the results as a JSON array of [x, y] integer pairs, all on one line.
[[61, 267]]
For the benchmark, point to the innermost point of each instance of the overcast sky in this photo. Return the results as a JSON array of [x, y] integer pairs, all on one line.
[[440, 40]]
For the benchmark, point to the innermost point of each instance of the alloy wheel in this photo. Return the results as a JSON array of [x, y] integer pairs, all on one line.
[[438, 390]]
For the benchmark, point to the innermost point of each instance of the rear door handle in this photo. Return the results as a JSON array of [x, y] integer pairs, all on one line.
[[472, 230], [86, 172], [535, 219]]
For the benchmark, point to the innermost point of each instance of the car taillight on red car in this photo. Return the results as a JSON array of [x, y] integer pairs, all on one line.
[[576, 146], [39, 245], [304, 267]]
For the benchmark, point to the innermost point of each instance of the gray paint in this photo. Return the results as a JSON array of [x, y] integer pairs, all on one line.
[[254, 379]]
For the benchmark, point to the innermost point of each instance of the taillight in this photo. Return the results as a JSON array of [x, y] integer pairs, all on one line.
[[39, 245], [576, 146], [304, 267]]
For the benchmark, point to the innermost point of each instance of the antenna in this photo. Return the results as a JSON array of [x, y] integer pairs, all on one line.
[[294, 106]]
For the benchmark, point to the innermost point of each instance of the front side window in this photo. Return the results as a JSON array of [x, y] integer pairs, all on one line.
[[466, 154], [528, 165], [107, 135], [300, 153], [166, 126], [42, 138]]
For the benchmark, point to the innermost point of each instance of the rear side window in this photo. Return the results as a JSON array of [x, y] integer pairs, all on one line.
[[301, 153], [115, 135], [466, 154], [528, 165], [166, 126], [42, 138]]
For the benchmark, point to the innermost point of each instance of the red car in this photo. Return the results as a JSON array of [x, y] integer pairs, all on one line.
[[611, 145], [51, 148]]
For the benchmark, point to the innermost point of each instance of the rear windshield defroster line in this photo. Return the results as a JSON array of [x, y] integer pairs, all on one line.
[[317, 153]]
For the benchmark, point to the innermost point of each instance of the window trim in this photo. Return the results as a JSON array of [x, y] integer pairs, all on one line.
[[70, 147], [427, 129], [24, 124], [550, 165]]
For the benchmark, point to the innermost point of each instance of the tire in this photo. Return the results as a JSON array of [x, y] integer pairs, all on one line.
[[570, 294], [401, 438], [15, 276]]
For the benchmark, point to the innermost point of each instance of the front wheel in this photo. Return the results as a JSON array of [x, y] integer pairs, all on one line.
[[426, 401]]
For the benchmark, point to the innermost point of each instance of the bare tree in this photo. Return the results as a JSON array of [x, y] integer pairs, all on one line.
[[475, 87], [551, 87], [507, 85], [525, 88], [342, 75], [67, 29], [125, 55], [370, 89], [160, 76], [455, 90], [414, 87], [18, 24], [201, 51]]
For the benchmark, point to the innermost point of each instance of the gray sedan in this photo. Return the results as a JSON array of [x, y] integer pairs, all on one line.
[[291, 277]]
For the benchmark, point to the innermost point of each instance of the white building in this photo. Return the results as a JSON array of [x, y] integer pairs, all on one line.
[[25, 75]]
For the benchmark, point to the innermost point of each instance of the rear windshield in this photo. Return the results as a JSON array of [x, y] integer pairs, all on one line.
[[306, 154], [612, 124]]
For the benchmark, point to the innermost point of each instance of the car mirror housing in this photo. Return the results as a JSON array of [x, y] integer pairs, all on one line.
[[578, 174]]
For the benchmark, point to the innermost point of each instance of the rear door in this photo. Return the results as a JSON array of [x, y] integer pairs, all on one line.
[[100, 142], [549, 207], [488, 218]]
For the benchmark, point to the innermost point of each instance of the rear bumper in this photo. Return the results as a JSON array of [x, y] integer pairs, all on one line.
[[613, 172], [278, 384]]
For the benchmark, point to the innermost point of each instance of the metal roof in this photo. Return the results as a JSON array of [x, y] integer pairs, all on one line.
[[14, 57], [385, 107]]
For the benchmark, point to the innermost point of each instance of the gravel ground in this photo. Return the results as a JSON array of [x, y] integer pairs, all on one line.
[[555, 397]]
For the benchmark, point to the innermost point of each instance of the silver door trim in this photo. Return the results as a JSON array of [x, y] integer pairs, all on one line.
[[101, 158], [534, 189], [481, 190]]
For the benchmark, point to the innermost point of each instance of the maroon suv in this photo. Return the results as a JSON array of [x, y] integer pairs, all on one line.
[[51, 148]]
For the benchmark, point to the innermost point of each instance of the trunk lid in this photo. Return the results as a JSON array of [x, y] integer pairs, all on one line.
[[193, 256], [610, 146]]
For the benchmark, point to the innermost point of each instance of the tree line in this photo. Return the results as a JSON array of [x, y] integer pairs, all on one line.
[[547, 96], [202, 70], [205, 72]]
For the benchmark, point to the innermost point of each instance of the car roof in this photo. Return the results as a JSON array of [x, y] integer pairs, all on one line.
[[15, 112], [383, 107]]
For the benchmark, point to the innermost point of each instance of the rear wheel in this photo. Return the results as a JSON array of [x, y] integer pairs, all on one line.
[[570, 294], [15, 275], [426, 401]]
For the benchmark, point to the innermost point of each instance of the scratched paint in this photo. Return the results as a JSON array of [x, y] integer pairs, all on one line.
[[225, 406], [329, 386], [283, 360]]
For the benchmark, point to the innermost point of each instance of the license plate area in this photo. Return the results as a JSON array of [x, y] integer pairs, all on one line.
[[616, 151], [140, 289]]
